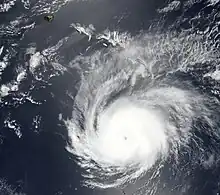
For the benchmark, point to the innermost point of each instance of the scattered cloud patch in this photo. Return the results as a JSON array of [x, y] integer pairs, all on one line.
[[173, 6]]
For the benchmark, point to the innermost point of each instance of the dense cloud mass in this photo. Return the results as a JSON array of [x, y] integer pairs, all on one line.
[[134, 112]]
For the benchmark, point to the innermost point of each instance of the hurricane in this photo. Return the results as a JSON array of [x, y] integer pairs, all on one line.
[[137, 109]]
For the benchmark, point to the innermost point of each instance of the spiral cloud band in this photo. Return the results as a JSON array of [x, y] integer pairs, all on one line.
[[133, 110]]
